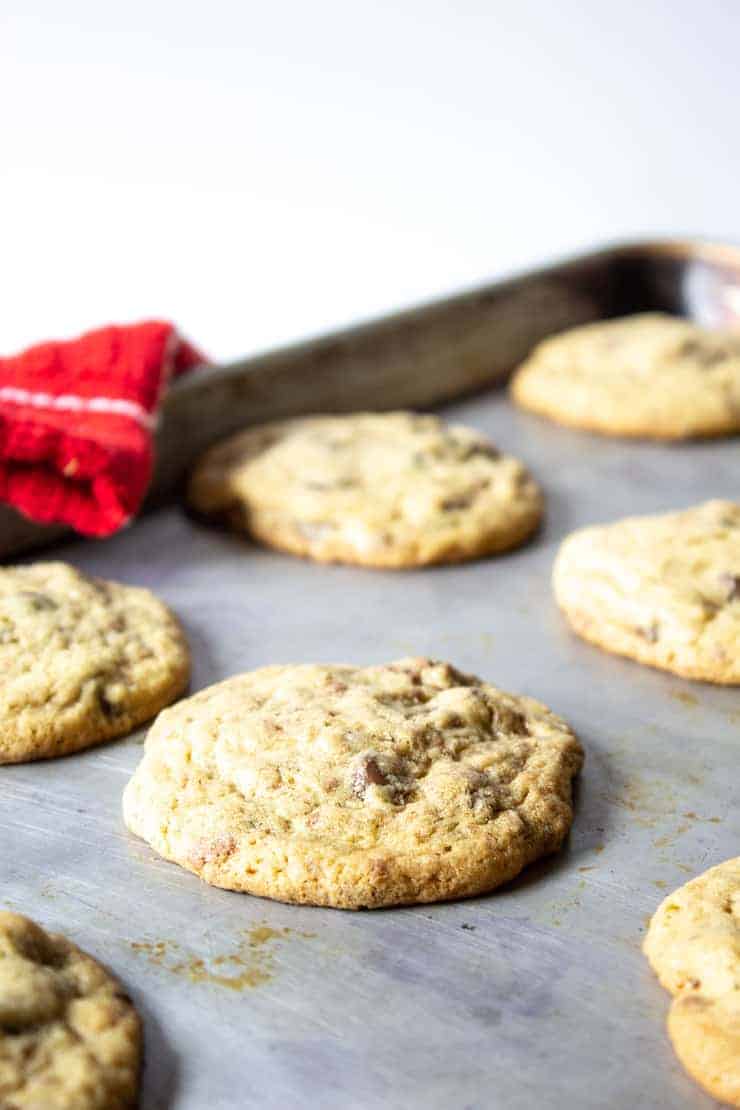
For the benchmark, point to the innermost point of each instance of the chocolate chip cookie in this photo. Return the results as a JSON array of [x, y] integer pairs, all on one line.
[[693, 945], [70, 1038], [649, 375], [664, 590], [82, 660], [383, 490], [355, 786]]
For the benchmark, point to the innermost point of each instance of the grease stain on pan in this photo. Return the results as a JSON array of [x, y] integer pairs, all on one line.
[[556, 912], [647, 800], [685, 697], [666, 840], [250, 964], [690, 819]]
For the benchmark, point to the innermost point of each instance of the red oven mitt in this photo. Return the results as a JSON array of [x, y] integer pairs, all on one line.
[[76, 423]]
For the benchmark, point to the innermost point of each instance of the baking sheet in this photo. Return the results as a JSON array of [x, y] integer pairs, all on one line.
[[536, 995], [426, 355]]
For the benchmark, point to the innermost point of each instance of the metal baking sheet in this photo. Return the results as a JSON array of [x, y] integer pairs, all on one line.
[[536, 995], [425, 355]]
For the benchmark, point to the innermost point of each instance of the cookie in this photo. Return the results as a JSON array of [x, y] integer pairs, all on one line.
[[382, 490], [693, 945], [705, 1034], [355, 786], [82, 660], [70, 1039], [649, 375], [664, 590]]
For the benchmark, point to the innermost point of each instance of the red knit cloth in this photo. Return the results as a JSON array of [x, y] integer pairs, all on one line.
[[76, 423]]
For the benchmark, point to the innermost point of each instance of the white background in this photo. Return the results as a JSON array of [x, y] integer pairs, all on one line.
[[262, 171]]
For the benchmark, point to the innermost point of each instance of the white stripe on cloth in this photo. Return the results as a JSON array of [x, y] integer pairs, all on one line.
[[68, 402]]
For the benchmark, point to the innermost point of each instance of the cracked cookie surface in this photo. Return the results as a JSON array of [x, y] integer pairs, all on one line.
[[82, 660], [355, 786], [650, 375], [693, 945], [70, 1038], [385, 490], [664, 590]]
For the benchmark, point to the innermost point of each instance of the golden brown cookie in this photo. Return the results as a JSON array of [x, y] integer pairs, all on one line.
[[355, 786], [82, 660], [663, 590], [70, 1038], [706, 1036], [648, 375], [383, 490], [693, 944]]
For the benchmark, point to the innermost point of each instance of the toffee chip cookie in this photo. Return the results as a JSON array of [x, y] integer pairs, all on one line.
[[648, 375], [664, 590], [693, 945], [70, 1039], [383, 490], [82, 660], [355, 786]]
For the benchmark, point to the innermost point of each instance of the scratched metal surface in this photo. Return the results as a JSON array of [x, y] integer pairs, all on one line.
[[536, 995]]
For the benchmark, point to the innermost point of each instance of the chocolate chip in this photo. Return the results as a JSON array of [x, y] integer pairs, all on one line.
[[482, 450], [38, 601], [462, 502], [109, 708], [649, 632], [368, 773], [704, 355], [731, 584]]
